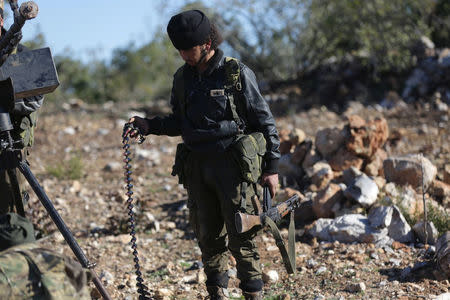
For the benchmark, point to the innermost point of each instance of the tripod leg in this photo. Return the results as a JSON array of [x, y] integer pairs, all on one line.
[[65, 231], [17, 195]]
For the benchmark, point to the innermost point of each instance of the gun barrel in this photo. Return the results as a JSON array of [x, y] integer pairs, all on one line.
[[28, 10], [285, 207]]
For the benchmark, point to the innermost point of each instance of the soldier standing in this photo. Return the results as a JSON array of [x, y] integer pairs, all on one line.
[[23, 117], [215, 102]]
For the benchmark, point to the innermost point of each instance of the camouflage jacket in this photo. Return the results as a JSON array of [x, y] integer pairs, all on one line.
[[30, 272]]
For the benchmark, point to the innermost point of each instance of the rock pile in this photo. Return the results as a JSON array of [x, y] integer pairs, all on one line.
[[355, 190]]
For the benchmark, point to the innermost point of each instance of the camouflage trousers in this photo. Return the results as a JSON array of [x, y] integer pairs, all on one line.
[[11, 195], [213, 183]]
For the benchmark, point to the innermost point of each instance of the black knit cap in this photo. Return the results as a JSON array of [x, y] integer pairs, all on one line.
[[188, 29]]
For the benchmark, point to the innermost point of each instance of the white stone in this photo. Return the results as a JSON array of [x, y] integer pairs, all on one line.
[[380, 216], [399, 229], [270, 276], [432, 233], [363, 190]]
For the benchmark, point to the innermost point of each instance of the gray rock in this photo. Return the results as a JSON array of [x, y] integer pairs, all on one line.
[[329, 140], [380, 216], [399, 229], [363, 190], [310, 263], [320, 229], [356, 287], [320, 173], [270, 276], [432, 233], [391, 218], [112, 166], [153, 155], [382, 283], [391, 190], [103, 131], [396, 262], [351, 174], [351, 228], [107, 277], [445, 296], [69, 130], [407, 169], [348, 229], [287, 168]]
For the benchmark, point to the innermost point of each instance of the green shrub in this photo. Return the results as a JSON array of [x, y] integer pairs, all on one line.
[[440, 218], [71, 169]]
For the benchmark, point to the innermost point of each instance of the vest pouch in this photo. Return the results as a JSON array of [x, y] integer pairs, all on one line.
[[179, 165], [24, 128], [248, 152]]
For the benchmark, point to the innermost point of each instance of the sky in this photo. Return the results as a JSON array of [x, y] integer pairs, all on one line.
[[85, 25]]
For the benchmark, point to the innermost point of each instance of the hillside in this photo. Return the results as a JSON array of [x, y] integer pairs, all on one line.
[[77, 158]]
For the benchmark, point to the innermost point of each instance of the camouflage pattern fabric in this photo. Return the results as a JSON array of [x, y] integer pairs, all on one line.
[[30, 272], [7, 194], [15, 230]]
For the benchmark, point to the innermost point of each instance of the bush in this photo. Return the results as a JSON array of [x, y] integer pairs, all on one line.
[[71, 169], [439, 217]]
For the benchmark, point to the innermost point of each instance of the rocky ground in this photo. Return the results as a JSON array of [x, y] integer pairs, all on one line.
[[77, 158]]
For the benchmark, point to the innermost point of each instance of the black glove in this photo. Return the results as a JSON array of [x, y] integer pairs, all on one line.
[[139, 127]]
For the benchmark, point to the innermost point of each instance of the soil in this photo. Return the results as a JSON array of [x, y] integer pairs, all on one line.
[[77, 158]]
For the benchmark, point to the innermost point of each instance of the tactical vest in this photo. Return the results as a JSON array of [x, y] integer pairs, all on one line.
[[248, 150], [233, 86], [24, 128]]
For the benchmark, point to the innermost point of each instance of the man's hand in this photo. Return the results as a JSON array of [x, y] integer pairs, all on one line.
[[141, 124], [271, 180]]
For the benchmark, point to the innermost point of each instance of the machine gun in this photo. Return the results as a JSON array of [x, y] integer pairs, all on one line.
[[27, 74]]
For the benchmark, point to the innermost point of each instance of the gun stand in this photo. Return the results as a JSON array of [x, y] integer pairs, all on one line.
[[11, 158]]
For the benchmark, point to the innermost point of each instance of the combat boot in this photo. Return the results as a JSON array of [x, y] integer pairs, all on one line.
[[253, 295], [217, 292]]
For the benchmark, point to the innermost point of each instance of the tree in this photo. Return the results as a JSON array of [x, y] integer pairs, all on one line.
[[145, 72], [439, 22], [37, 41], [281, 38], [382, 31]]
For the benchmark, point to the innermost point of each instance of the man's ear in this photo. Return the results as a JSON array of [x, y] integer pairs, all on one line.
[[208, 45]]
